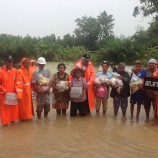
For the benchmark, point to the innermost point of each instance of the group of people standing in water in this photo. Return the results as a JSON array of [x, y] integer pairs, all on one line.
[[77, 88]]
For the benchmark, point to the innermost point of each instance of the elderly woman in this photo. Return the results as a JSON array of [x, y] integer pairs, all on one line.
[[78, 93], [61, 89]]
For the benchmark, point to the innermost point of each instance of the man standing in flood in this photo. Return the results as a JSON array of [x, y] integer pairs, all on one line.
[[41, 86], [85, 64], [149, 94], [9, 112]]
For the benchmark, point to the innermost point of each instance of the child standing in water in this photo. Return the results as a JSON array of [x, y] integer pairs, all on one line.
[[138, 96]]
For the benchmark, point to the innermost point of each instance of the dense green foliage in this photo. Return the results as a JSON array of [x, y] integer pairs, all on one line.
[[147, 7], [94, 35]]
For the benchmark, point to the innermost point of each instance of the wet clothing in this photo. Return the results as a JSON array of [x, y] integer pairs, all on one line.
[[138, 97], [43, 102], [62, 98], [117, 102], [78, 106], [8, 113], [24, 84]]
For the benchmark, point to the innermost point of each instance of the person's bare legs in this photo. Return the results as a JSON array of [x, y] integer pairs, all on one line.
[[132, 110], [104, 105], [98, 102], [138, 111]]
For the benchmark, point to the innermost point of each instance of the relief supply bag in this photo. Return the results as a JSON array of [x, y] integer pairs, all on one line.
[[75, 92], [10, 99]]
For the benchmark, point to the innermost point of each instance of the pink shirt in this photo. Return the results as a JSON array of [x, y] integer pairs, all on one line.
[[81, 82], [102, 91]]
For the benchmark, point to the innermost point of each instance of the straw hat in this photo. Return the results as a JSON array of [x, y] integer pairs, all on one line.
[[75, 69]]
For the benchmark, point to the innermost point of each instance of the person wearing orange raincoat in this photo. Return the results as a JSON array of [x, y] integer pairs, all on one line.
[[156, 94], [85, 64], [24, 83], [8, 113]]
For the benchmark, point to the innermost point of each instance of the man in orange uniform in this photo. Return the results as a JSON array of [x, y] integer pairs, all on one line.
[[8, 74], [85, 64], [24, 83]]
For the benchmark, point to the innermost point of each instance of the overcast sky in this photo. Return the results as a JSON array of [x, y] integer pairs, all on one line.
[[45, 17]]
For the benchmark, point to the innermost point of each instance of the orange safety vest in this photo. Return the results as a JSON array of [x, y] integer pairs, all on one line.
[[8, 113], [23, 83], [90, 77]]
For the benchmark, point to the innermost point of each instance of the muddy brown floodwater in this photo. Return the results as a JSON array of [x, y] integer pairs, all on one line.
[[94, 136]]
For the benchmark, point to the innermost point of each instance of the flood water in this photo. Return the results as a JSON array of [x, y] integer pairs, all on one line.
[[94, 136]]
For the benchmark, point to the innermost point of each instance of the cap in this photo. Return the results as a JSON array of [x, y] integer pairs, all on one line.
[[86, 56], [75, 69], [24, 59], [153, 61], [9, 58], [41, 60]]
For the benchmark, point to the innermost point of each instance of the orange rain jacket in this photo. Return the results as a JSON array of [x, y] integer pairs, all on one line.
[[24, 92], [156, 99], [8, 113], [90, 77]]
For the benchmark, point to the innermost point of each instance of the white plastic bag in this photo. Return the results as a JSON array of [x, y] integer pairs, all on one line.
[[62, 86], [135, 82], [102, 79], [10, 98], [115, 74], [75, 92], [115, 82], [43, 83]]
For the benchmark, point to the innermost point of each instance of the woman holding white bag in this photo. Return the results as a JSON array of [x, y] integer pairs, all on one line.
[[60, 83], [78, 93]]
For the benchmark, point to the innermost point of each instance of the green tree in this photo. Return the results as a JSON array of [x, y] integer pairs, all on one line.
[[106, 25], [87, 32], [147, 7]]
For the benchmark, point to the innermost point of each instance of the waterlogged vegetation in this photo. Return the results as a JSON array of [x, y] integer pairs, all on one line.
[[92, 34]]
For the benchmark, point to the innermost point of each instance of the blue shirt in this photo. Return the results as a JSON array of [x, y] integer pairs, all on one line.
[[141, 74], [107, 75]]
